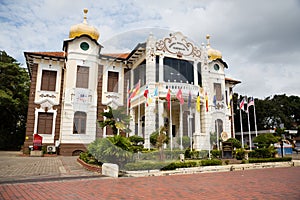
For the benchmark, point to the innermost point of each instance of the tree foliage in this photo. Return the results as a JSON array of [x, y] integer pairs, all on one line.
[[272, 112], [265, 140], [116, 119], [111, 150], [14, 89]]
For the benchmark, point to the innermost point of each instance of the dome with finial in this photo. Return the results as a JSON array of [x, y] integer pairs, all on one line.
[[213, 54], [84, 29]]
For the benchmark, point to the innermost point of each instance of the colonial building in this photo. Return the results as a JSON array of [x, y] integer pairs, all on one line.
[[187, 90]]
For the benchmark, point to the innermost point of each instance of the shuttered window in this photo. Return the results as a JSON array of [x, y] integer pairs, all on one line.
[[82, 79], [112, 83], [48, 80], [218, 91], [45, 121], [79, 125]]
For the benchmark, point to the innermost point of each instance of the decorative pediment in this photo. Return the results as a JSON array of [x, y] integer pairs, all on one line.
[[46, 104], [178, 44]]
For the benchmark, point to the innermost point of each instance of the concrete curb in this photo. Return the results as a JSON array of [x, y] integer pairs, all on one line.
[[208, 169]]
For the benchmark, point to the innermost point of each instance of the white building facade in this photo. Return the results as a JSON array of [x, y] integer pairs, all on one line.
[[71, 88]]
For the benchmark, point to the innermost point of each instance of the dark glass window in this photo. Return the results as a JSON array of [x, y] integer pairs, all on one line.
[[178, 70], [82, 80], [45, 121], [157, 69], [79, 125], [139, 73], [48, 80], [199, 74], [112, 82]]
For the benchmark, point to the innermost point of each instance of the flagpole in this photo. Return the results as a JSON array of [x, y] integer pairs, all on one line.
[[255, 119], [181, 130], [249, 130], [139, 111], [241, 122], [171, 135], [127, 106], [190, 128]]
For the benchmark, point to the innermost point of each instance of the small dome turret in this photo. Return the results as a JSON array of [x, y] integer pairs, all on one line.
[[213, 54], [84, 29]]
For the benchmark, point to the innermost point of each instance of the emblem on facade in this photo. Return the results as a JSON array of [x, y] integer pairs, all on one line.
[[179, 45]]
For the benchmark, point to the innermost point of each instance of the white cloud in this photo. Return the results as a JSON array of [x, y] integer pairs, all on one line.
[[258, 39]]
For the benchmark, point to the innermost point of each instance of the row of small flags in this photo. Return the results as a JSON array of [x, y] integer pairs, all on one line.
[[149, 96], [244, 101]]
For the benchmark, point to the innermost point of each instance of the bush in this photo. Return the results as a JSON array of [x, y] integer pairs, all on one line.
[[145, 165], [88, 158], [211, 162], [262, 160], [175, 165], [240, 154], [216, 153], [185, 141], [106, 151], [264, 140], [235, 143], [263, 152]]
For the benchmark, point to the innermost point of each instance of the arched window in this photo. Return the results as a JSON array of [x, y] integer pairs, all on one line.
[[79, 125]]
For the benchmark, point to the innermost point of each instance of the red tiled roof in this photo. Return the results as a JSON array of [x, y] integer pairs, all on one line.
[[232, 80], [117, 55], [60, 54]]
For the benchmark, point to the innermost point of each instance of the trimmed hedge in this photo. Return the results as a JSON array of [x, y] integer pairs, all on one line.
[[263, 160], [170, 165], [145, 165]]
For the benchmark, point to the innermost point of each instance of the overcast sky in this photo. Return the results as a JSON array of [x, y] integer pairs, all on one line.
[[259, 40]]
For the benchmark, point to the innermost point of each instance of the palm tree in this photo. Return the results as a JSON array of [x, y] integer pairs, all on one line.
[[116, 119]]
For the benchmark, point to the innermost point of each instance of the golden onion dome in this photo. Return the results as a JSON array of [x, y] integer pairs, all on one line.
[[84, 29], [213, 54]]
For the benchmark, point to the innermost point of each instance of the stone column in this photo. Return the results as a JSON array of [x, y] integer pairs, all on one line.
[[132, 121]]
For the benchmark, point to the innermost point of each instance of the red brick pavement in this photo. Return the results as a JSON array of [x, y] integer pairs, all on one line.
[[275, 183]]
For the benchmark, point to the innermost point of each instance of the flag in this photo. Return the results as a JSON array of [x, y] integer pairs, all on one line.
[[146, 92], [250, 103], [206, 101], [179, 96], [242, 103], [190, 99], [135, 90], [198, 103], [215, 100], [155, 93], [168, 97], [146, 95], [230, 99]]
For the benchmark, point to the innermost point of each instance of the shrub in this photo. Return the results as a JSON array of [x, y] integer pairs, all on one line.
[[263, 152], [264, 140], [185, 141], [211, 162], [261, 160], [235, 143], [240, 154], [216, 153], [145, 165], [175, 165], [104, 150]]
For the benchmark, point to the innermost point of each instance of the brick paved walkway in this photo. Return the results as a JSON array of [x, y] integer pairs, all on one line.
[[14, 167], [274, 183]]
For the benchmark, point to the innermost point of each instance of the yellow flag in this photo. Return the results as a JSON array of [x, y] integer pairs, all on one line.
[[198, 103]]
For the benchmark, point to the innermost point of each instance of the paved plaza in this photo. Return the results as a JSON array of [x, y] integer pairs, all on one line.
[[63, 178], [16, 168]]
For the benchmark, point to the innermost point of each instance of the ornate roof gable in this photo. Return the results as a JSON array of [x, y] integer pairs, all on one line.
[[178, 44]]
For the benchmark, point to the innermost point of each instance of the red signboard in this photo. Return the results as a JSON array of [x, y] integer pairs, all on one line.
[[37, 142]]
